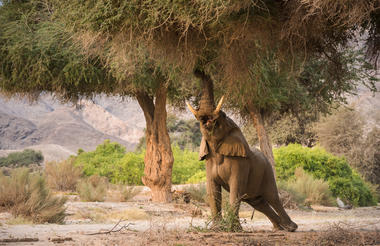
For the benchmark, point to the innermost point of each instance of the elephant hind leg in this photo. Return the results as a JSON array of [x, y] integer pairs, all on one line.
[[264, 208], [285, 220]]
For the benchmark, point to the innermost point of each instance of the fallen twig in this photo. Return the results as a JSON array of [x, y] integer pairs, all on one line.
[[113, 228]]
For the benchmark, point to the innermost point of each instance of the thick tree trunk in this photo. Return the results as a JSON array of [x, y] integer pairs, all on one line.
[[159, 157], [264, 140]]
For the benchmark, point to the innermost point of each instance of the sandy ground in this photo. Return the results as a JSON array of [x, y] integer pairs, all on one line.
[[146, 223]]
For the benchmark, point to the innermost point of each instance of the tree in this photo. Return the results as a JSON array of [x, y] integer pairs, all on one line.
[[343, 133], [40, 53], [268, 56]]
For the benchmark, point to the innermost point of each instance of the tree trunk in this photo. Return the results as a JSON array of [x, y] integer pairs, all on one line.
[[159, 157], [264, 140]]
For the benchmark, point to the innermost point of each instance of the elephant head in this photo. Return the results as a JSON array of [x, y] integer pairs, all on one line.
[[219, 131]]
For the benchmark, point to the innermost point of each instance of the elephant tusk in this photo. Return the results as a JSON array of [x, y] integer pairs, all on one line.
[[191, 109], [219, 105]]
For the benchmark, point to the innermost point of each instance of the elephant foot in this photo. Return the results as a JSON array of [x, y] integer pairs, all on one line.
[[291, 227]]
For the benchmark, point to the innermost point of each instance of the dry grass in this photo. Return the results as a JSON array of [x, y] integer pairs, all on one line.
[[93, 189], [103, 215], [63, 176], [339, 234], [19, 220], [25, 194], [122, 193], [197, 192], [307, 190]]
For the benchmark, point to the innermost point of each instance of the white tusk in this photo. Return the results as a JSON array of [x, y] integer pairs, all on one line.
[[219, 105], [191, 109]]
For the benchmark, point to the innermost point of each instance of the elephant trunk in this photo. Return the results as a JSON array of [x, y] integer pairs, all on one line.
[[206, 103]]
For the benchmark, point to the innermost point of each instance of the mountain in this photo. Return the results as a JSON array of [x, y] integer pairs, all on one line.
[[59, 130]]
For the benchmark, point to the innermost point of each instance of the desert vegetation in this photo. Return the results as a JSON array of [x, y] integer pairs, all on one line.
[[63, 176], [25, 194], [22, 159]]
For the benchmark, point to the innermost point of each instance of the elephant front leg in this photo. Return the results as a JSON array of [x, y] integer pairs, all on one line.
[[235, 200], [214, 192]]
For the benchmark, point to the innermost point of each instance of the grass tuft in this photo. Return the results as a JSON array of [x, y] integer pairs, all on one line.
[[307, 190], [25, 194], [93, 189]]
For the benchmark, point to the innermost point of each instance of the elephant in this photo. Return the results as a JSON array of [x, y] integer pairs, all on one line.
[[230, 163]]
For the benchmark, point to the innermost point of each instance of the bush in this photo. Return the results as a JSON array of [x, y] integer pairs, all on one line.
[[186, 165], [20, 159], [25, 194], [122, 193], [111, 161], [129, 169], [197, 178], [102, 160], [63, 176], [342, 179], [308, 190], [93, 189]]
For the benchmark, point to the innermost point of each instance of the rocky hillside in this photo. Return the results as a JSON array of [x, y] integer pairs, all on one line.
[[59, 130]]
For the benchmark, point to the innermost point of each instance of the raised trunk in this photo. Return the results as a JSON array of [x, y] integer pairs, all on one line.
[[264, 140], [159, 157]]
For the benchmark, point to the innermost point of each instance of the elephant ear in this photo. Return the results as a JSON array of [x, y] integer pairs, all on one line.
[[203, 149], [233, 144]]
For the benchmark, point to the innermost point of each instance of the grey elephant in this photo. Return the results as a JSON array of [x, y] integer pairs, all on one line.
[[230, 163]]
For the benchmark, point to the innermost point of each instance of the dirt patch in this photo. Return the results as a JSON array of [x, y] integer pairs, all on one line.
[[146, 223]]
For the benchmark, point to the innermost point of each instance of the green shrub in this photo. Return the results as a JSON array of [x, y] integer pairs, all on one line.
[[343, 181], [93, 189], [101, 161], [186, 165], [25, 194], [63, 175], [129, 169], [110, 160], [197, 178], [20, 159]]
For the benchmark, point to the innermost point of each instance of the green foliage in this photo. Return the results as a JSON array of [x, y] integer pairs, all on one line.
[[38, 49], [25, 194], [198, 177], [110, 160], [20, 159], [186, 165], [93, 189], [129, 169], [343, 181], [102, 161]]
